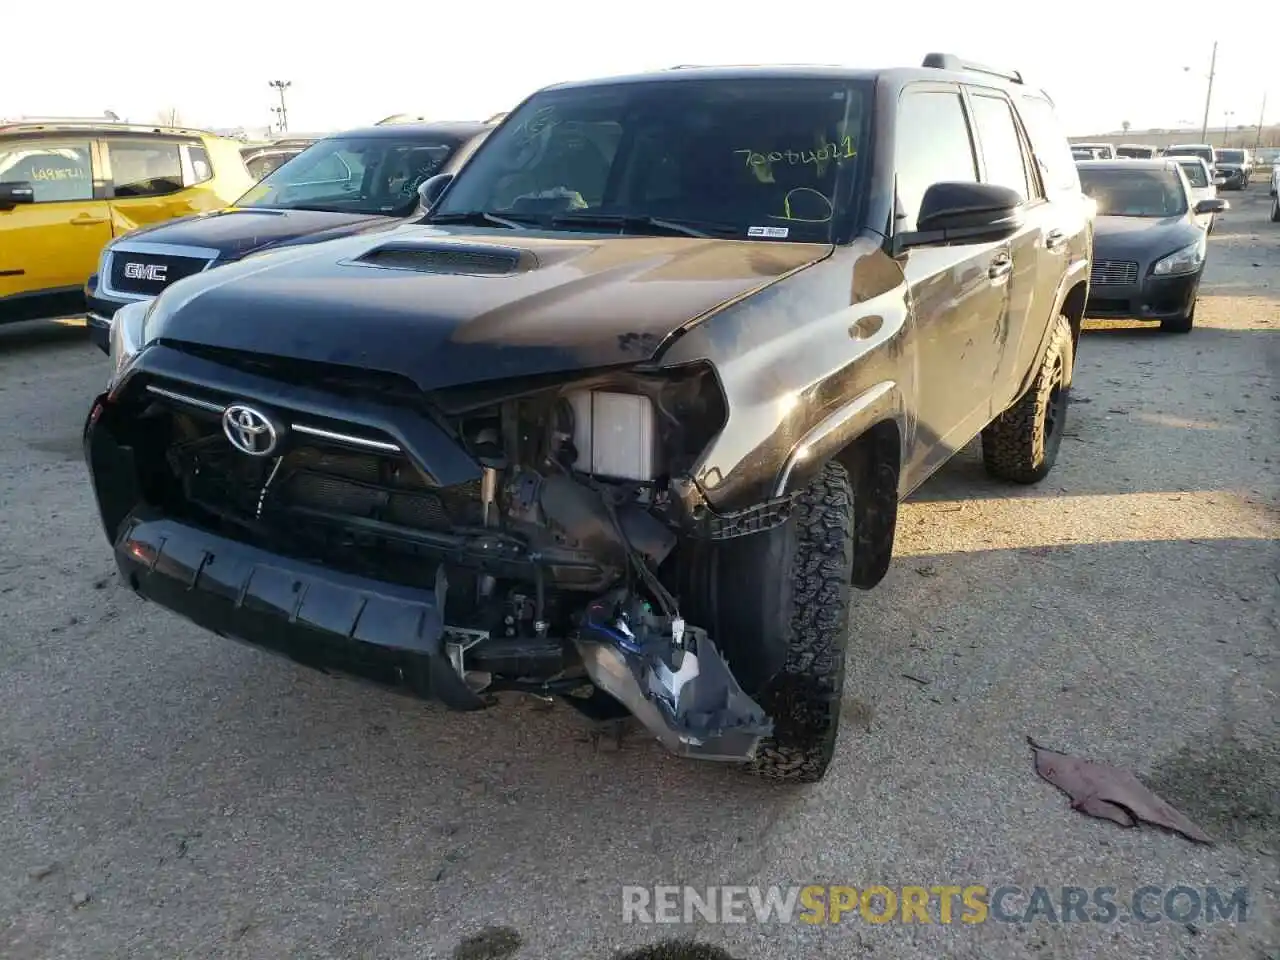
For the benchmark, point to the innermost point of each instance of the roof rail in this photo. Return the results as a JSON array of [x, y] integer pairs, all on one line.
[[949, 61], [83, 123]]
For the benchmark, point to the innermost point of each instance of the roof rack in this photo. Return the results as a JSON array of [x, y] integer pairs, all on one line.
[[84, 123], [949, 61]]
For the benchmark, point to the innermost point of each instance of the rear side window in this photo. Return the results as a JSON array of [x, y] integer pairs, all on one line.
[[1001, 145], [1196, 174], [201, 169], [932, 145], [1049, 144], [145, 168], [56, 169]]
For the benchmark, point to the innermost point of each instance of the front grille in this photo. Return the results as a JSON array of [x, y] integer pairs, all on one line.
[[310, 481], [333, 378], [1113, 272], [148, 274]]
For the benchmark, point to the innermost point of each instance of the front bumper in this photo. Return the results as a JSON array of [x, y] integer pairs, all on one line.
[[1153, 298], [1234, 179], [392, 634], [325, 619]]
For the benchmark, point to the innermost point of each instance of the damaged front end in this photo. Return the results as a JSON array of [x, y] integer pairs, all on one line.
[[514, 537]]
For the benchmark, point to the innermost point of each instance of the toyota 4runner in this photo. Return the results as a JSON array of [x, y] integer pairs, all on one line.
[[629, 415]]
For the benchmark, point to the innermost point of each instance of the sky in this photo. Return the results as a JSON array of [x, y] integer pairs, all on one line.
[[1106, 63]]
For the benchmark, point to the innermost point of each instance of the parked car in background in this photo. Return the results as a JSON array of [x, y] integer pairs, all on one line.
[[1275, 193], [348, 183], [1102, 151], [1148, 246], [67, 187], [1202, 150], [1136, 151], [1235, 166], [628, 415], [263, 158], [1202, 187], [1086, 153]]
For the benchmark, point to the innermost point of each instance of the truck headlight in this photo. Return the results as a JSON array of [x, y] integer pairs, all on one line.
[[1187, 260], [614, 434]]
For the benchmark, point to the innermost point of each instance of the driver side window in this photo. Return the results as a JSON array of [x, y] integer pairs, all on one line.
[[932, 144]]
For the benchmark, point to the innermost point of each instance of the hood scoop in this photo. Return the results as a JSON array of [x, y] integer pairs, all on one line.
[[476, 260]]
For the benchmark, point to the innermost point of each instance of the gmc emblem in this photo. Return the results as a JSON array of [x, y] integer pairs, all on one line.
[[145, 271]]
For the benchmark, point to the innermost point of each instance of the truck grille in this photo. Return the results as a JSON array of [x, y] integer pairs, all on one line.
[[147, 274], [1113, 272], [312, 481]]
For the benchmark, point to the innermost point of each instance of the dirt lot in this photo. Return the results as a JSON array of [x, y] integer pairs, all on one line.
[[169, 794]]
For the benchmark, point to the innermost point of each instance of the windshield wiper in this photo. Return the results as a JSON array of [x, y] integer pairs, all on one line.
[[645, 224], [318, 208], [482, 218]]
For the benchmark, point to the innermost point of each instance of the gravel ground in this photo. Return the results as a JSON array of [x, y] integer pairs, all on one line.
[[168, 794]]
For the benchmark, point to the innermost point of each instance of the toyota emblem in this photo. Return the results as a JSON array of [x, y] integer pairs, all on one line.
[[250, 431]]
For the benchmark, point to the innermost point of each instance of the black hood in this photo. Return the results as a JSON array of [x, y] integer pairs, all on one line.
[[1141, 238], [445, 308], [239, 231]]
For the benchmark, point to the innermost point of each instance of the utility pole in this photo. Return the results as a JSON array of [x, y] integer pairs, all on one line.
[[1262, 115], [283, 112], [1208, 96]]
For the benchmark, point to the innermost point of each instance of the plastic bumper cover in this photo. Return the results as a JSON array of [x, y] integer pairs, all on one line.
[[1154, 298]]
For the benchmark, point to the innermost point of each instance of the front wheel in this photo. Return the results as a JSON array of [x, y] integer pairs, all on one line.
[[815, 550], [1275, 209], [1021, 445]]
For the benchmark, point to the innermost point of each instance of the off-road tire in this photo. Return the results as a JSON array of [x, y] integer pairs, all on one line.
[[804, 700], [1181, 324], [1022, 443]]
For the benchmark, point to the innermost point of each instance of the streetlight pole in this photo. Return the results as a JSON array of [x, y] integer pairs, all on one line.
[[281, 86], [1226, 119], [1262, 115], [1208, 95]]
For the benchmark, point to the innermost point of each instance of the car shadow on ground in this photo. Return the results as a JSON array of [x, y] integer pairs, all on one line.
[[42, 334], [1108, 418]]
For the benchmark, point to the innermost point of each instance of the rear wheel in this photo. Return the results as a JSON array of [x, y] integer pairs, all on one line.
[[812, 624], [1181, 324], [1275, 209], [1022, 443]]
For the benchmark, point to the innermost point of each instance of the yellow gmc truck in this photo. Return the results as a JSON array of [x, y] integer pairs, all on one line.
[[67, 187]]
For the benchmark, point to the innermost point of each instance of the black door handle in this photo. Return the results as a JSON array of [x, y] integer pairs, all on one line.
[[1000, 267], [1054, 239]]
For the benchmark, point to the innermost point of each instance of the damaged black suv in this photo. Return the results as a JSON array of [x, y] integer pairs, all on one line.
[[627, 415]]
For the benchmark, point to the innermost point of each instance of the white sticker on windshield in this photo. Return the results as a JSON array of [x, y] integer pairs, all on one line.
[[776, 232]]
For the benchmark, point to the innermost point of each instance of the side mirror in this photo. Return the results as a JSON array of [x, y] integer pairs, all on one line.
[[431, 189], [965, 213], [1216, 205], [15, 192]]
